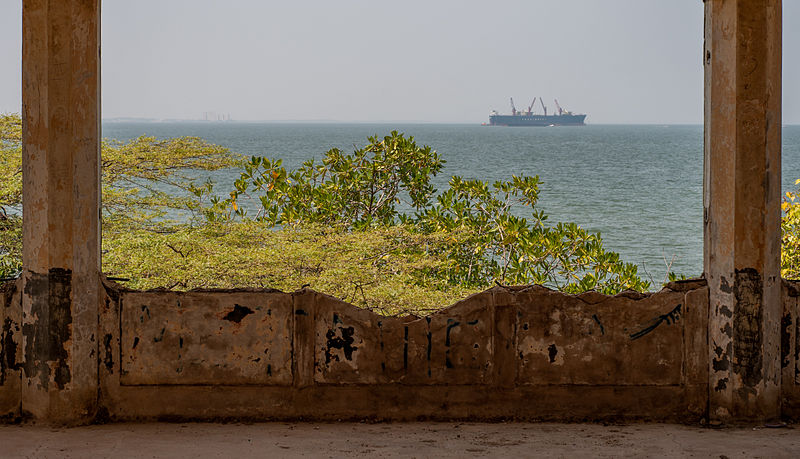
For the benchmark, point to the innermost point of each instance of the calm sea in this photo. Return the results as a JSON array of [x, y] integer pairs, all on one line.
[[639, 186]]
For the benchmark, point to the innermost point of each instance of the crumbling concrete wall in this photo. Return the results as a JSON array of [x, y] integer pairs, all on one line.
[[522, 352], [10, 350], [790, 350], [528, 353]]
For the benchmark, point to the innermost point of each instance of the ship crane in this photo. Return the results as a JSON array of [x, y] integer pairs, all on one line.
[[530, 107], [513, 108], [543, 107], [560, 110]]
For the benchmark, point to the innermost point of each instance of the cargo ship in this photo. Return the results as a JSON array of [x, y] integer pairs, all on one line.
[[528, 118]]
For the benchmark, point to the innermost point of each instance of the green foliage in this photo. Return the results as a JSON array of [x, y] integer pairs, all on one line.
[[790, 232], [672, 277], [143, 180], [146, 178], [10, 195], [385, 269], [355, 190], [499, 245], [488, 241], [10, 245], [10, 161]]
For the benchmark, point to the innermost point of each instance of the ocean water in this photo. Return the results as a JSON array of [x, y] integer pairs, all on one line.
[[640, 186]]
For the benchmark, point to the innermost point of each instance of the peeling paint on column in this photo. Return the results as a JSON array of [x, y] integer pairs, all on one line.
[[747, 323], [721, 359], [49, 328]]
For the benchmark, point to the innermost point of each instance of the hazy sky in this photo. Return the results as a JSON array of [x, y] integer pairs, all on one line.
[[620, 61]]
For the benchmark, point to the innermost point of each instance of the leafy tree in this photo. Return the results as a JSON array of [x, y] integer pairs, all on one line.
[[790, 232], [498, 245], [144, 181], [357, 190], [10, 195], [489, 241]]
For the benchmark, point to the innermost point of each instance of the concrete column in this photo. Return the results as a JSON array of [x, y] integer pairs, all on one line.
[[742, 59], [61, 202]]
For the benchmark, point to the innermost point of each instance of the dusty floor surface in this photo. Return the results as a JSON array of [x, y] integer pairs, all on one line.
[[339, 440]]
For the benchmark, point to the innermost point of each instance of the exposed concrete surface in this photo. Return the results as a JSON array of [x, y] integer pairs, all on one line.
[[741, 188], [398, 440], [526, 353]]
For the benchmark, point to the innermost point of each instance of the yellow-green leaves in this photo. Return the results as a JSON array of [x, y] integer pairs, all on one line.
[[10, 161], [790, 232], [146, 178], [487, 242], [390, 270], [10, 195]]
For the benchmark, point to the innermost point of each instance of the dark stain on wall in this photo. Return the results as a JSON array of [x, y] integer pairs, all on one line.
[[430, 344], [797, 351], [451, 323], [108, 360], [343, 342], [552, 351], [405, 348], [724, 285], [382, 344], [747, 318], [8, 349], [51, 308], [238, 313], [597, 320], [145, 311], [160, 337], [786, 342], [720, 361], [670, 318]]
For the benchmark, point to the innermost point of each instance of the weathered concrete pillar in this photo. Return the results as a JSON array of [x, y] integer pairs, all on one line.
[[742, 205], [61, 197]]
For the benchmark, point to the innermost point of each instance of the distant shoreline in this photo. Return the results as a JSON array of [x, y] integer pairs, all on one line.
[[334, 122]]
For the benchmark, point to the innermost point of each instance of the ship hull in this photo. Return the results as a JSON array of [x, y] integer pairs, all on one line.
[[537, 120]]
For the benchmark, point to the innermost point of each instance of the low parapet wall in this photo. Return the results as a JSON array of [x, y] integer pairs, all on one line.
[[522, 352], [10, 350], [504, 353], [790, 350]]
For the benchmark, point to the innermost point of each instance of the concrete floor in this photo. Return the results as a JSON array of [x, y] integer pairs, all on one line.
[[339, 440]]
